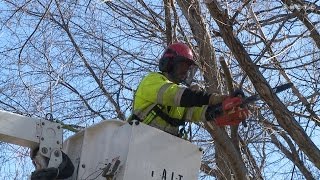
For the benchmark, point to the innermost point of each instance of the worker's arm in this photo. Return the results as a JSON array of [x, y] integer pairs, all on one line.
[[156, 88], [194, 98], [186, 97]]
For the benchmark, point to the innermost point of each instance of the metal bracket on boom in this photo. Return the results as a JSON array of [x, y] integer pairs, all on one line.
[[51, 142], [33, 133]]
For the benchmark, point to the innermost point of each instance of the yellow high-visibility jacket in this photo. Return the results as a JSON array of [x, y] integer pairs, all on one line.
[[156, 90]]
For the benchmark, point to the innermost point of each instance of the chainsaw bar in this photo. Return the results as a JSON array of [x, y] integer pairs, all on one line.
[[276, 90], [217, 108], [222, 120]]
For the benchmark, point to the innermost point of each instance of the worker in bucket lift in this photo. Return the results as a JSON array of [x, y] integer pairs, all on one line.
[[162, 101]]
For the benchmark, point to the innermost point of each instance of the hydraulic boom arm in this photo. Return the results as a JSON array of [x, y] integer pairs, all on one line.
[[43, 137]]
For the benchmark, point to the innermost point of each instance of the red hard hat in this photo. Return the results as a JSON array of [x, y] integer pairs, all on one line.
[[178, 49], [175, 51]]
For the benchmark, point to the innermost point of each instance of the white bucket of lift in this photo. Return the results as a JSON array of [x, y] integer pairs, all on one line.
[[116, 150]]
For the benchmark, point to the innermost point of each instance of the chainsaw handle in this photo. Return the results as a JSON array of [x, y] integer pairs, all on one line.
[[238, 93]]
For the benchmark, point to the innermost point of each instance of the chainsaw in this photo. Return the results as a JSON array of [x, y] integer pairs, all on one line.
[[233, 110]]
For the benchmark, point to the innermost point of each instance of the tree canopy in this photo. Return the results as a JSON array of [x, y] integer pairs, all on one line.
[[81, 61]]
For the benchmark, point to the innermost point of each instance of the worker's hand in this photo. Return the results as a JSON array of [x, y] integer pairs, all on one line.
[[195, 87], [216, 99]]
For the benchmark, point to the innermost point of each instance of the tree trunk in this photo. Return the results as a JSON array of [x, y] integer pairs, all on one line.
[[227, 156], [283, 115]]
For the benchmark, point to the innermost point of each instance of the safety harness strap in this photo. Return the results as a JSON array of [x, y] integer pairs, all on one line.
[[157, 111], [172, 121]]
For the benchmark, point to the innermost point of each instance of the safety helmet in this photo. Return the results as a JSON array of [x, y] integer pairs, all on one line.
[[175, 52], [171, 62]]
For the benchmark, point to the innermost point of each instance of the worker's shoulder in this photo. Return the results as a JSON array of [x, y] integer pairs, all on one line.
[[155, 76]]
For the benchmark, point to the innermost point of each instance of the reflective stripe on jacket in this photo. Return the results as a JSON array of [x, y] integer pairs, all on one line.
[[156, 89]]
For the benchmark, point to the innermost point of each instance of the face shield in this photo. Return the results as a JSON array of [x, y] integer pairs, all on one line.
[[184, 71], [190, 75]]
